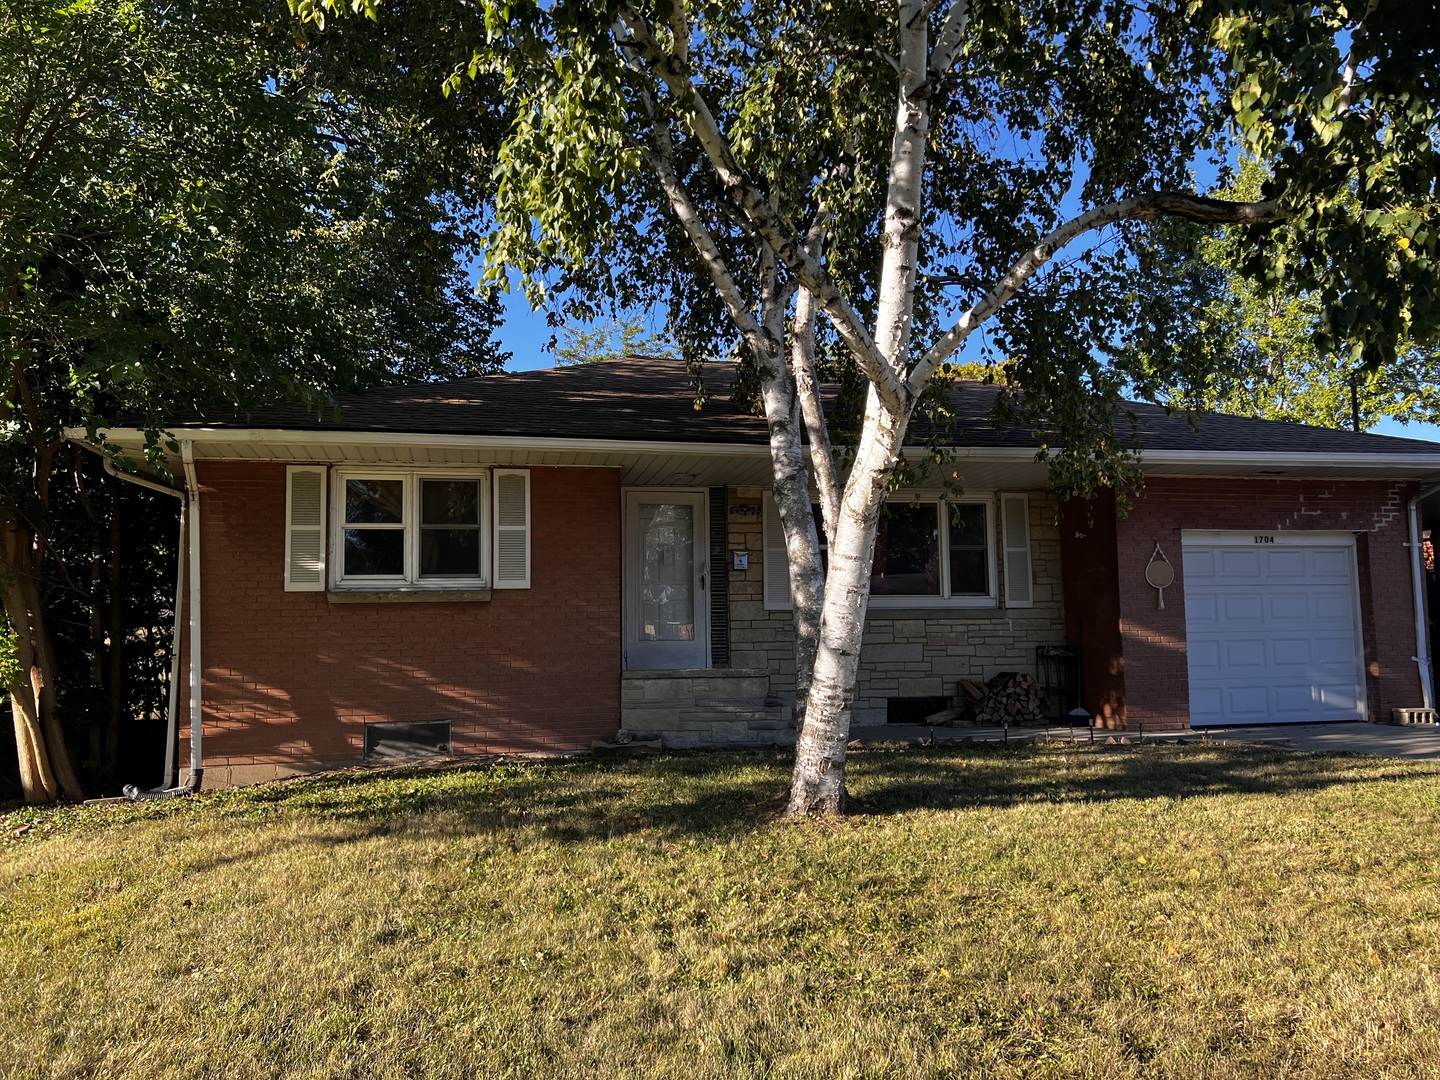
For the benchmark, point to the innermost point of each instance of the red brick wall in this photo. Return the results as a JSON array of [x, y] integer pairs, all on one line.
[[1157, 686], [291, 677], [1090, 575]]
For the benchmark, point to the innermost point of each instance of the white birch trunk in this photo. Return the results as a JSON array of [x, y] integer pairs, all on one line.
[[817, 432], [895, 382], [792, 484], [818, 782], [802, 544], [900, 238]]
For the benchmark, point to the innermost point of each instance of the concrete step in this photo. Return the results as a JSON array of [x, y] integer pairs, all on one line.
[[742, 705], [666, 718], [717, 735], [735, 684], [686, 709]]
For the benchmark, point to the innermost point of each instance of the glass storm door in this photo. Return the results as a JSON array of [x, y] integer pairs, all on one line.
[[667, 611]]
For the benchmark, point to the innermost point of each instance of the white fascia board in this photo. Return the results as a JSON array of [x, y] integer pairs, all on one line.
[[262, 436], [1309, 460], [983, 453], [282, 436]]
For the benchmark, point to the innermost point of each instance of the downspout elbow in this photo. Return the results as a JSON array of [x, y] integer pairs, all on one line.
[[142, 481], [136, 793]]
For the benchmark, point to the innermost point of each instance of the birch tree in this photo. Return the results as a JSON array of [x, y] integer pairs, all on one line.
[[903, 182]]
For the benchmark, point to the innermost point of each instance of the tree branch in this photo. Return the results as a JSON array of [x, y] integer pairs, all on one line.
[[661, 159], [1138, 208], [680, 30], [817, 432], [778, 233], [1351, 65], [861, 50], [949, 39]]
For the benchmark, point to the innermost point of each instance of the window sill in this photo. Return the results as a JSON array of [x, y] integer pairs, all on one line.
[[407, 596]]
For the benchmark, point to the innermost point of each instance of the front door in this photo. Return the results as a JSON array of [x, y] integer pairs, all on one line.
[[667, 610]]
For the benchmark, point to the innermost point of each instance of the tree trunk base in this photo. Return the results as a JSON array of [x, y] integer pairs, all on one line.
[[820, 800]]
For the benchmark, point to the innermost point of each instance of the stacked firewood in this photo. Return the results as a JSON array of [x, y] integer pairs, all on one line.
[[1012, 697]]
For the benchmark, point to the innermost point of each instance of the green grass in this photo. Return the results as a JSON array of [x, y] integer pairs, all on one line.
[[1185, 911]]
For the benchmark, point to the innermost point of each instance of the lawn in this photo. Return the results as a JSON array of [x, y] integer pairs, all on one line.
[[1175, 911]]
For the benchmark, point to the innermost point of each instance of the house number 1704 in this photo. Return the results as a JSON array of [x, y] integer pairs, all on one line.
[[1264, 539]]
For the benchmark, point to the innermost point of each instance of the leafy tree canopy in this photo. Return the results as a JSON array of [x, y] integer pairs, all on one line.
[[198, 207], [205, 205], [1047, 110], [1261, 340], [611, 339]]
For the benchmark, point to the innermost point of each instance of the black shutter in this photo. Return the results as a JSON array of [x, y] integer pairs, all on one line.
[[719, 579]]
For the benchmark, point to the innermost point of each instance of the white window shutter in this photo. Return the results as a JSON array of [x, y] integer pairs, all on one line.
[[777, 560], [1015, 529], [305, 528], [512, 529]]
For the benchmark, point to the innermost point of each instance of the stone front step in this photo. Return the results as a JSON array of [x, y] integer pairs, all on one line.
[[688, 685], [661, 718], [694, 708]]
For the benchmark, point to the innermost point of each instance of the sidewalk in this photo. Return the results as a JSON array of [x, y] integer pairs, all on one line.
[[1418, 741], [1415, 741]]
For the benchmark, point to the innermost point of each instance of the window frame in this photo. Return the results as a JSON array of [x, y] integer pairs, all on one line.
[[409, 580], [991, 598]]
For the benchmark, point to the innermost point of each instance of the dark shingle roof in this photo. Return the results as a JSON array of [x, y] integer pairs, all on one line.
[[653, 400]]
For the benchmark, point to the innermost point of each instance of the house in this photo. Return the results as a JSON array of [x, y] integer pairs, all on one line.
[[538, 560]]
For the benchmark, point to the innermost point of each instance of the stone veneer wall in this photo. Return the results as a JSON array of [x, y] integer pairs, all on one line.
[[907, 653]]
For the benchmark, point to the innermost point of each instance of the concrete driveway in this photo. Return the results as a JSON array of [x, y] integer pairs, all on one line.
[[1414, 741]]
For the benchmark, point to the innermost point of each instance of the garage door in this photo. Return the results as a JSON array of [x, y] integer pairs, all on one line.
[[1271, 630]]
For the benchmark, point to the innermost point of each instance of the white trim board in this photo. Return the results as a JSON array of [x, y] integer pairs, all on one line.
[[1267, 537], [1313, 460]]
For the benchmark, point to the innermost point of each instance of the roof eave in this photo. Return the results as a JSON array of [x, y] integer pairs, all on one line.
[[1252, 463]]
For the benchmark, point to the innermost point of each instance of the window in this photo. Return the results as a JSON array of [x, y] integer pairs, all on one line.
[[407, 528], [929, 552], [969, 553], [933, 550], [449, 528]]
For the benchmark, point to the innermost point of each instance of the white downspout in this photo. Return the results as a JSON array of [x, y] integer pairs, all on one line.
[[197, 726], [172, 704], [1417, 580]]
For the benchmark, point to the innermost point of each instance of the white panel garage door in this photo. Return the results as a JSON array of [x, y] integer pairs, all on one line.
[[1271, 628]]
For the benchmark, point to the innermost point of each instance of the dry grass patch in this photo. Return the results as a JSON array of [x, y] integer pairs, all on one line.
[[1169, 911]]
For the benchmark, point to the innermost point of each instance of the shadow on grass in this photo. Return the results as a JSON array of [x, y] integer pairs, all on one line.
[[717, 793], [1004, 778]]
